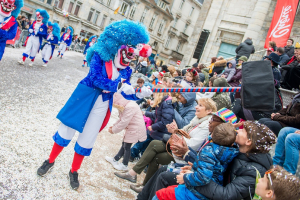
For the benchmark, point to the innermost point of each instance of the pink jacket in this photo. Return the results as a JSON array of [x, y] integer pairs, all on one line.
[[131, 119]]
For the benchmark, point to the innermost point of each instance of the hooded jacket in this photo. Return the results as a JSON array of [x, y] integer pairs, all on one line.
[[131, 119], [218, 67], [245, 49], [229, 72], [239, 179], [211, 163], [164, 114], [237, 77], [184, 113], [222, 99]]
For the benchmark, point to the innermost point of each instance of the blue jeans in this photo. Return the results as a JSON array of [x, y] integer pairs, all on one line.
[[140, 147], [155, 198], [287, 149]]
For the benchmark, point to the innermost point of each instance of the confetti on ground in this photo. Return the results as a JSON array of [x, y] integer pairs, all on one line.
[[30, 98]]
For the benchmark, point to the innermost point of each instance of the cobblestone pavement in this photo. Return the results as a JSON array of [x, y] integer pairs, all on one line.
[[30, 98]]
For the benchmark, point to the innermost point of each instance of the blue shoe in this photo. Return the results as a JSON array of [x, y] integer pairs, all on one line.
[[83, 65]]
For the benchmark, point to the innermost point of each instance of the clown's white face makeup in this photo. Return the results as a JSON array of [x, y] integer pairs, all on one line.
[[39, 17], [93, 40], [124, 56], [50, 29], [69, 31], [126, 53], [6, 7]]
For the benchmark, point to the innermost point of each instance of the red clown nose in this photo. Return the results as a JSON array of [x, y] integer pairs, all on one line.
[[146, 51]]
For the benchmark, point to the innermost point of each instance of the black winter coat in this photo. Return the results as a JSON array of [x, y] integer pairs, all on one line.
[[289, 50], [143, 70], [245, 49], [241, 176], [164, 114]]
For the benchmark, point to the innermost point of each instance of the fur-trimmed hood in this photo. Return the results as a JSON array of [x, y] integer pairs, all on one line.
[[120, 102], [220, 63]]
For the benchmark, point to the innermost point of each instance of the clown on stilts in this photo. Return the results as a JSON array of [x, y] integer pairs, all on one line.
[[89, 107], [9, 11], [91, 42], [52, 40], [65, 41], [37, 32]]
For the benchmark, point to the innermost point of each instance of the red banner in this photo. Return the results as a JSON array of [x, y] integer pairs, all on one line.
[[282, 22]]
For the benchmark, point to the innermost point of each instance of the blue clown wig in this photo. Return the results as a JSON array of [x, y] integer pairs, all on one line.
[[44, 14], [19, 4], [56, 29], [69, 27], [90, 39], [118, 33]]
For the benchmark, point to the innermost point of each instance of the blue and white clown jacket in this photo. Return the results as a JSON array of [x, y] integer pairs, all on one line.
[[8, 30], [42, 34], [77, 109], [68, 40], [52, 40]]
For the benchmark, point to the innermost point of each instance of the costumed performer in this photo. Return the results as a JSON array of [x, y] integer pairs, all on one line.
[[9, 11], [89, 107], [91, 42], [52, 40], [65, 41], [37, 32]]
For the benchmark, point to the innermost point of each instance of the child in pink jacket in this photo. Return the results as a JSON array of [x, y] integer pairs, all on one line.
[[131, 119]]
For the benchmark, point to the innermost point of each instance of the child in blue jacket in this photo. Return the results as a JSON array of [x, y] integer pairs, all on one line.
[[212, 161]]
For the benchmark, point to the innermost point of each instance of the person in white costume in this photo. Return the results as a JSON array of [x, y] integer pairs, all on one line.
[[37, 32], [52, 40], [65, 41]]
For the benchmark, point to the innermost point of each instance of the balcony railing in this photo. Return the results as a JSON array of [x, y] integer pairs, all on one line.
[[184, 36], [172, 31], [177, 55]]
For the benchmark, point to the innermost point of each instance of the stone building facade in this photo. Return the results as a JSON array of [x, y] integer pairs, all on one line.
[[230, 22], [171, 23]]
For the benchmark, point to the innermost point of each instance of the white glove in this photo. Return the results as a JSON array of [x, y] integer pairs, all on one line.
[[127, 89], [145, 92], [30, 30], [49, 42]]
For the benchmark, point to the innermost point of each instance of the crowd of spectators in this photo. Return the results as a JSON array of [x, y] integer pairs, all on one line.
[[207, 145]]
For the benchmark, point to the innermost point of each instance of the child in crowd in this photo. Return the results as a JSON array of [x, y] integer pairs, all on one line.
[[229, 71], [277, 184], [212, 161], [131, 120], [163, 115], [190, 79], [140, 82]]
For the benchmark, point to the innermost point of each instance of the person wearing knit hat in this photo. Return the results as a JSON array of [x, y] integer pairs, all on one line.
[[243, 58], [226, 115]]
